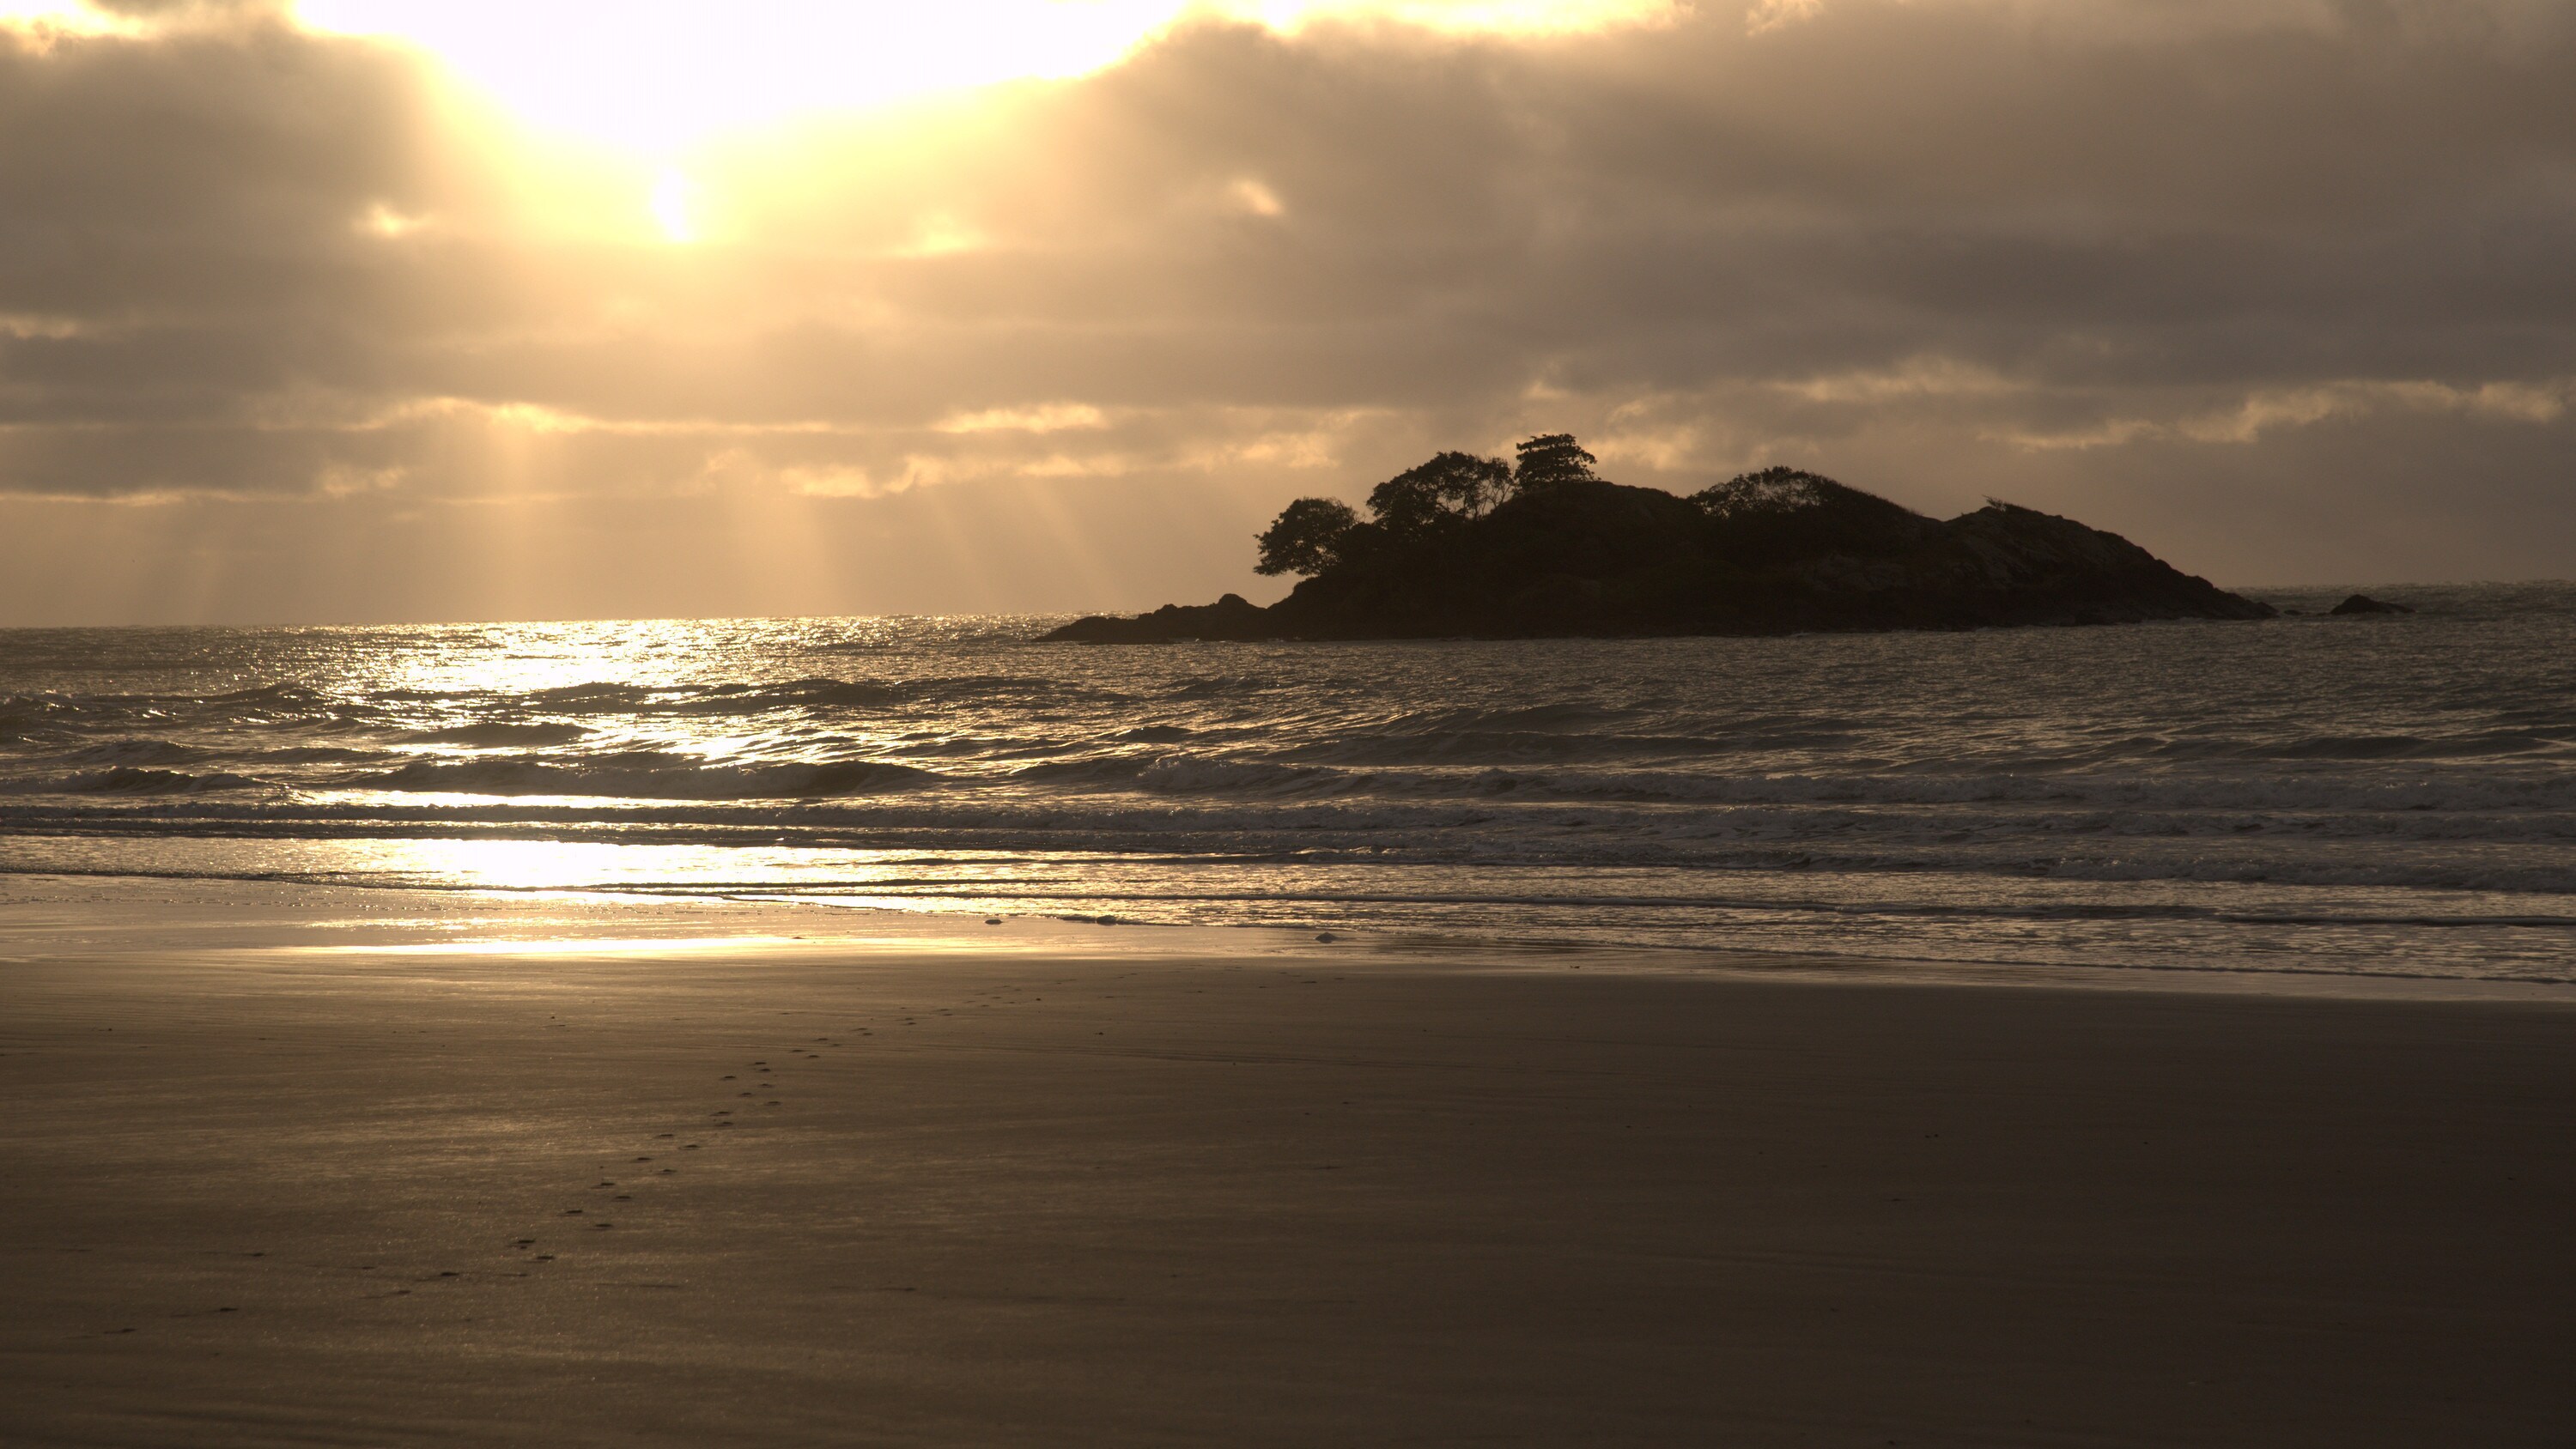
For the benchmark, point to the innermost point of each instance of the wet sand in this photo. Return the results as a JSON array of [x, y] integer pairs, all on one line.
[[792, 1194]]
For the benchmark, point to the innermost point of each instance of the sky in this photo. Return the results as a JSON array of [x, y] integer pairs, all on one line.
[[392, 310]]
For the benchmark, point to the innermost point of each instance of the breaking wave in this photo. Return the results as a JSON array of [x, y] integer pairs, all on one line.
[[134, 780], [651, 781]]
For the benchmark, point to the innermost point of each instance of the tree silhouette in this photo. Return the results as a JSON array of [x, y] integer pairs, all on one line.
[[1449, 486], [1550, 459], [1790, 512], [1307, 537], [1771, 491], [1313, 535]]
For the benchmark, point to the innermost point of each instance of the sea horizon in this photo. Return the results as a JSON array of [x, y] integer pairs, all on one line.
[[1038, 618]]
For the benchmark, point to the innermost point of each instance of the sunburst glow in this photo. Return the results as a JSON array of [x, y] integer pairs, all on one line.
[[660, 74]]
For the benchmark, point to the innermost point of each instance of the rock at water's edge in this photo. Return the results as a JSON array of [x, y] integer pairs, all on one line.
[[2359, 604], [1231, 617]]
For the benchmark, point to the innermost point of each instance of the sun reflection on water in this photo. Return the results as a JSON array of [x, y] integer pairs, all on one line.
[[563, 865]]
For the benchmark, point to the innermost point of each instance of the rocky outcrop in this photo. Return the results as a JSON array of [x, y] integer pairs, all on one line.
[[2365, 604], [1771, 554], [1231, 617]]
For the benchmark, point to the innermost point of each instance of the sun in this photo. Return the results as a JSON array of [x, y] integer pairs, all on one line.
[[671, 194]]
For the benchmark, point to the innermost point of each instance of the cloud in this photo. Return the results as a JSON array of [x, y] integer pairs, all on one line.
[[1942, 249], [1044, 418], [1769, 15], [2247, 420]]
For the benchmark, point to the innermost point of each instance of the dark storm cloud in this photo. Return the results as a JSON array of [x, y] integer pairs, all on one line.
[[213, 173], [2092, 253]]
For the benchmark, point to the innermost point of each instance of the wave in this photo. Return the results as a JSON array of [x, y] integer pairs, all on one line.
[[1495, 746], [25, 717], [2427, 803], [874, 812], [2553, 791], [649, 781], [1193, 775], [1174, 890], [1217, 686], [503, 732], [133, 780], [1366, 725], [22, 709], [141, 752], [291, 696], [268, 704], [814, 692], [1586, 719]]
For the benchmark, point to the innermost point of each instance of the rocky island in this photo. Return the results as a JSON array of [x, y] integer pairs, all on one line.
[[1465, 546]]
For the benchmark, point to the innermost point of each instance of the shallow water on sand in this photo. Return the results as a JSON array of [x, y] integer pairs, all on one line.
[[2374, 796]]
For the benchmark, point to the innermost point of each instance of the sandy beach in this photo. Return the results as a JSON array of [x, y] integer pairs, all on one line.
[[1128, 1188]]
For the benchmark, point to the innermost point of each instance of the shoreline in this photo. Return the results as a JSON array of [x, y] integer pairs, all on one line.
[[162, 912]]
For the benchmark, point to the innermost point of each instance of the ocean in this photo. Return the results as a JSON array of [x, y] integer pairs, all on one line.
[[2365, 796]]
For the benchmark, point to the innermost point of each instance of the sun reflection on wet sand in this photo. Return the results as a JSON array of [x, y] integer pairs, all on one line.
[[599, 867]]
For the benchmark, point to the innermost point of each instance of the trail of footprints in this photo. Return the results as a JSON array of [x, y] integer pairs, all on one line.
[[648, 1166], [764, 1082]]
